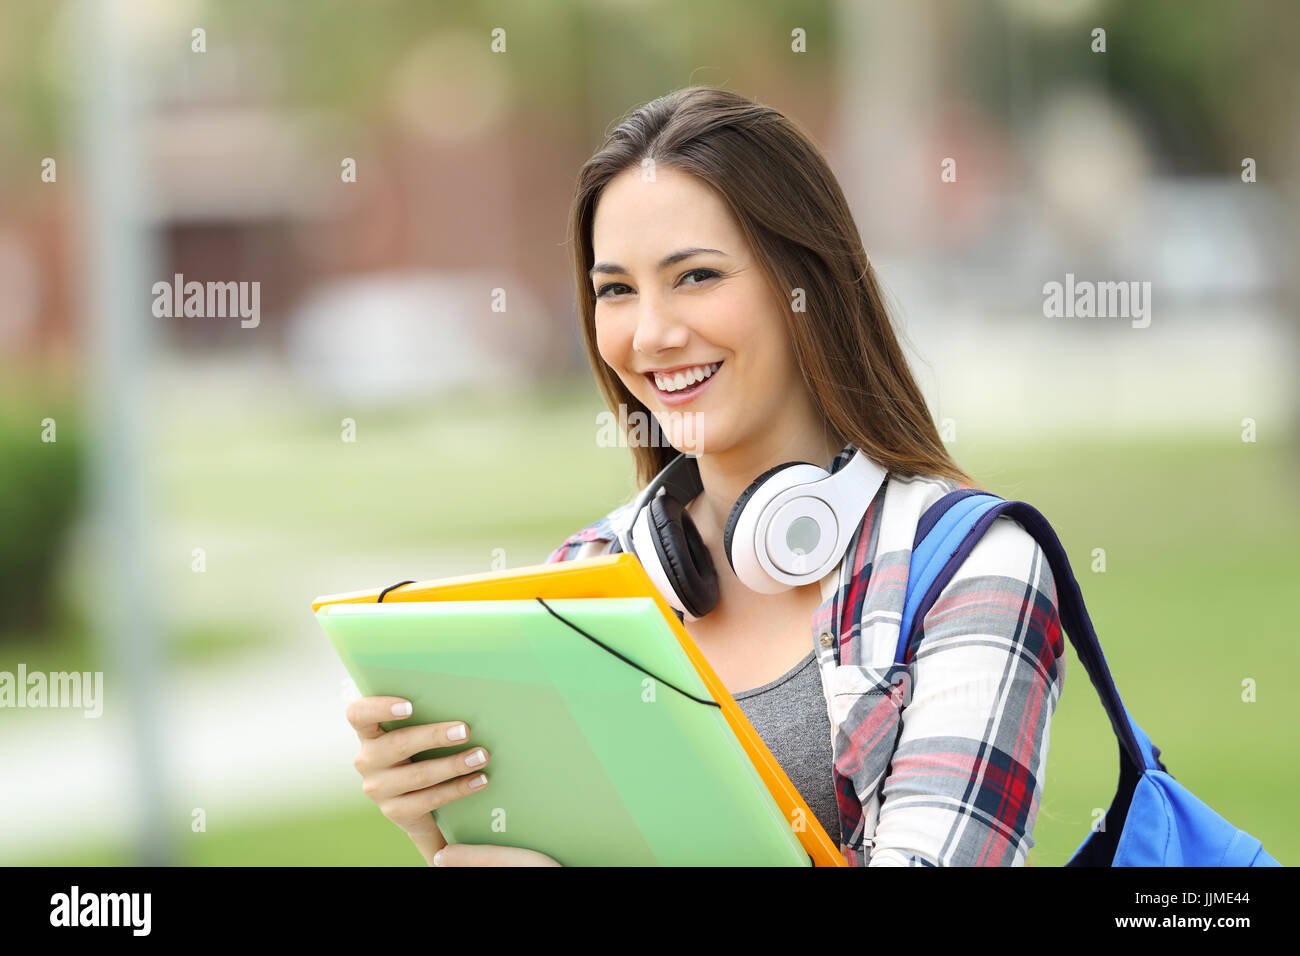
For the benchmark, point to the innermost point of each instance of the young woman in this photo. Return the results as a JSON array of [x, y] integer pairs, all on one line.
[[724, 289]]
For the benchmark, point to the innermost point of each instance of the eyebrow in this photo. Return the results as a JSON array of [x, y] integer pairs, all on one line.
[[614, 268]]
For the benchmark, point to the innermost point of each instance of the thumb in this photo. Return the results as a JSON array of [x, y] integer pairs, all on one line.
[[486, 854]]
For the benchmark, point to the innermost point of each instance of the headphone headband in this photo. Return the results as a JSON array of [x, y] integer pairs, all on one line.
[[680, 478]]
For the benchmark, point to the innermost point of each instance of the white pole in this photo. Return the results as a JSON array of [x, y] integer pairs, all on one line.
[[117, 316]]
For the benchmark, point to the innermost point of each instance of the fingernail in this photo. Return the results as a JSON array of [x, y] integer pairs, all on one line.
[[478, 781], [437, 858], [456, 733], [476, 758], [403, 709]]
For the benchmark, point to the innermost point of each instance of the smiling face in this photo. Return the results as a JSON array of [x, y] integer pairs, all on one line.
[[679, 291]]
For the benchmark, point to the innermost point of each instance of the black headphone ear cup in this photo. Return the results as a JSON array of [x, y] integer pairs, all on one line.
[[739, 506], [683, 555]]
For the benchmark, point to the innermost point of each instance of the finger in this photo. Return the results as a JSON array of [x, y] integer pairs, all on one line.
[[365, 713], [403, 743], [485, 854], [412, 775], [417, 803]]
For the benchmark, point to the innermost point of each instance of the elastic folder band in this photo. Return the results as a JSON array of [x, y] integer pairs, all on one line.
[[710, 703], [393, 588]]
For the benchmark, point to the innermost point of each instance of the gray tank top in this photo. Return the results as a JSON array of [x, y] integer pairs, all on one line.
[[789, 713]]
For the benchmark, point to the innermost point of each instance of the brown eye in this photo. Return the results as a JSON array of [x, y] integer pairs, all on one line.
[[703, 273], [600, 293]]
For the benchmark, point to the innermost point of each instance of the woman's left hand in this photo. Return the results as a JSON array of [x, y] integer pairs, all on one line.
[[487, 854]]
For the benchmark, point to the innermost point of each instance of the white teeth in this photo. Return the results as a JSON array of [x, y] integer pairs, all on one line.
[[684, 378]]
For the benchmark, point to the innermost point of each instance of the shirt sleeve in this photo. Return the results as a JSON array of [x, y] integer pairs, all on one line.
[[966, 778], [576, 548], [594, 540]]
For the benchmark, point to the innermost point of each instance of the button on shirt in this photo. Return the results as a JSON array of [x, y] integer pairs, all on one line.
[[938, 761]]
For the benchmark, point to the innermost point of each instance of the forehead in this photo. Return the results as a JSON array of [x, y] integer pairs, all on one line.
[[675, 209]]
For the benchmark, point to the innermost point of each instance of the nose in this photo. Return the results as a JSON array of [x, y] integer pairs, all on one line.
[[658, 329]]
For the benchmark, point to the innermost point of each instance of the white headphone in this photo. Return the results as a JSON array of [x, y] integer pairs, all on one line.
[[789, 528]]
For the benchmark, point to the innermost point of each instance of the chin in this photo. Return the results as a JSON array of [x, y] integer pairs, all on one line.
[[706, 437], [689, 432]]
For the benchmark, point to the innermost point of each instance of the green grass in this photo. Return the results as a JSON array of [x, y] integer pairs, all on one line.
[[354, 834], [474, 468], [1199, 541]]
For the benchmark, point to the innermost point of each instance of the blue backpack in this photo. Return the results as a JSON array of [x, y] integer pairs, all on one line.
[[1154, 820]]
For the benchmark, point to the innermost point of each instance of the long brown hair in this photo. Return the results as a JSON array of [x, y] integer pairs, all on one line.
[[793, 213]]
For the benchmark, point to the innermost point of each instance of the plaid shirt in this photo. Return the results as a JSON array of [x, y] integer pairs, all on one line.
[[940, 761]]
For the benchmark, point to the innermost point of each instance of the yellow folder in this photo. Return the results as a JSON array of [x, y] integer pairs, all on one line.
[[616, 576]]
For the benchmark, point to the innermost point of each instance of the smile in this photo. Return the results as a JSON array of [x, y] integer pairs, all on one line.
[[682, 386], [684, 379]]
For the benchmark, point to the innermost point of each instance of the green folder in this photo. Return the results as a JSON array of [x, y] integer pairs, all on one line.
[[593, 762]]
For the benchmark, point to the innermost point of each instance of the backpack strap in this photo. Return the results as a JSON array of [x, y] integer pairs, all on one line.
[[942, 530], [945, 537]]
